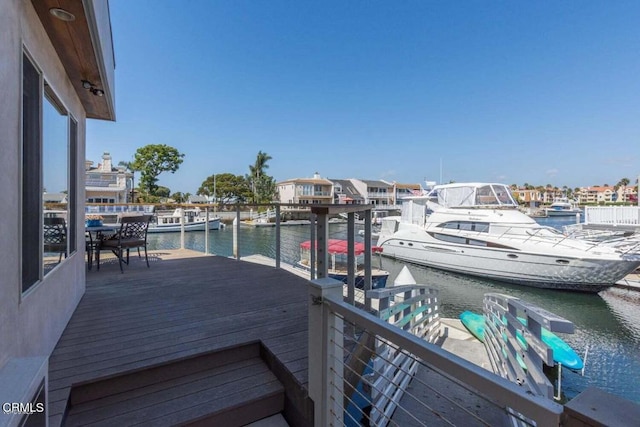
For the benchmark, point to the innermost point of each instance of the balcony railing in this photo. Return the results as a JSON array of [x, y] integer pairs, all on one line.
[[330, 368], [612, 215]]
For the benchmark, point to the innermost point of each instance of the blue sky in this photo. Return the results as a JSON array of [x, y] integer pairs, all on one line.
[[538, 92]]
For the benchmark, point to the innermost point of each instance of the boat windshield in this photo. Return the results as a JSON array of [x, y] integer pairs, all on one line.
[[471, 195]]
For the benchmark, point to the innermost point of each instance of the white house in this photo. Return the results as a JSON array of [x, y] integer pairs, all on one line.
[[306, 190], [106, 183], [57, 70]]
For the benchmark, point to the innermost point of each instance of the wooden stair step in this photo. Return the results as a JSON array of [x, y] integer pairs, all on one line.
[[231, 394], [272, 421]]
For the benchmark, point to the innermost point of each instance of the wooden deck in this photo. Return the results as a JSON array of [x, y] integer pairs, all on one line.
[[184, 306]]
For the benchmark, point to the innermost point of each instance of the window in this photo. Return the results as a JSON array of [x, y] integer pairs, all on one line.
[[31, 154], [49, 151], [55, 178], [482, 227]]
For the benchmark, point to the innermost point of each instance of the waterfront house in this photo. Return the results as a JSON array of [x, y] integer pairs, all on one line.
[[57, 71], [596, 195], [377, 193], [524, 195], [55, 198], [306, 191], [402, 191], [196, 199], [106, 183], [345, 193]]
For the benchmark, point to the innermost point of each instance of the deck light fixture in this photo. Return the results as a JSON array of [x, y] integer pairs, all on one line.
[[92, 88], [62, 14]]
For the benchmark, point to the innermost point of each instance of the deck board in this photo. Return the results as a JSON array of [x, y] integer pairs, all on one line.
[[184, 305]]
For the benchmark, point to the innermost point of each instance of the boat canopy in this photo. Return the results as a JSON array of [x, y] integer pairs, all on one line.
[[338, 246], [472, 195]]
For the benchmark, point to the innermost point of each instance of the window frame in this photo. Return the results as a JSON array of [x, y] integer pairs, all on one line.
[[34, 90]]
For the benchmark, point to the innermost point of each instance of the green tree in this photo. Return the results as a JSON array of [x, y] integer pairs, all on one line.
[[179, 197], [162, 191], [262, 185], [226, 187], [153, 159]]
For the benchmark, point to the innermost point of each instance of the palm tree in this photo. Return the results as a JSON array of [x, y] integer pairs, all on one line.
[[257, 170]]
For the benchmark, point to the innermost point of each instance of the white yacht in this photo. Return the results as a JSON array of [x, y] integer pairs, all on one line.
[[476, 229], [562, 206]]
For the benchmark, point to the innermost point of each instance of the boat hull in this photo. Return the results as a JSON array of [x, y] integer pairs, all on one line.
[[549, 271], [553, 212], [214, 224]]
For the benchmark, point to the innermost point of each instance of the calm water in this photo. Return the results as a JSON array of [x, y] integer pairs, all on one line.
[[608, 323]]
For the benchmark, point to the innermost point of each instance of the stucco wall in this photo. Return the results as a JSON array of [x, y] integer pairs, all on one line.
[[31, 323]]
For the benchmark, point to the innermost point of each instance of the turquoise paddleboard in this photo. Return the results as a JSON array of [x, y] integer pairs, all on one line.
[[474, 323], [562, 352]]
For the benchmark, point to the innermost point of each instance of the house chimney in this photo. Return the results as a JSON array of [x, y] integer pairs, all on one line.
[[106, 162]]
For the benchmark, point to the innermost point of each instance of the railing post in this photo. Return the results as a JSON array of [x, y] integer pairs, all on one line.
[[351, 258], [367, 257], [323, 243], [206, 231], [326, 353], [312, 240], [277, 236], [236, 232], [182, 229]]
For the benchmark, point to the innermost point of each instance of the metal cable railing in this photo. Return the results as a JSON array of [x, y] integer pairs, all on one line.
[[497, 393]]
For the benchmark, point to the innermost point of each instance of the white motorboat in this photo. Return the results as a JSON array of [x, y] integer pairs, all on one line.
[[476, 229], [562, 206], [194, 220]]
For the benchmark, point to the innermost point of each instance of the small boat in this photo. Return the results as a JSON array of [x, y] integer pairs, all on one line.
[[562, 352], [194, 220], [562, 206], [338, 262]]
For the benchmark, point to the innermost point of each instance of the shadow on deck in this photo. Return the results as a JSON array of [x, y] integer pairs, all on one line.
[[170, 344]]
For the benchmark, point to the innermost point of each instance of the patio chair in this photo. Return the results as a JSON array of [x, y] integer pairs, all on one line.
[[132, 234], [55, 236]]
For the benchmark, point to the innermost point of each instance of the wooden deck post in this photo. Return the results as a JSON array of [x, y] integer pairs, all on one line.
[[326, 353]]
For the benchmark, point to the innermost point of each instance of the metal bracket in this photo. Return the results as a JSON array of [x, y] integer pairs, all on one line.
[[316, 300]]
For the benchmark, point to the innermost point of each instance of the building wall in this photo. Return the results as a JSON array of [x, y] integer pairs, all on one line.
[[286, 193], [31, 323]]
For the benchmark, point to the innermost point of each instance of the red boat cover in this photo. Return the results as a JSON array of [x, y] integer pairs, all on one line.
[[337, 246]]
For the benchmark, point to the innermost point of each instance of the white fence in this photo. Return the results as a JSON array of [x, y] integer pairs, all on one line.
[[612, 215]]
